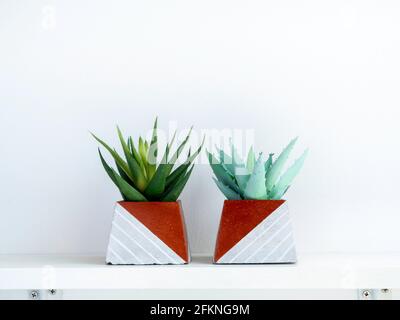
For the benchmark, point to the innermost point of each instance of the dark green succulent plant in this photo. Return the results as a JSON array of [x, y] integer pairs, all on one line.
[[257, 179], [140, 177]]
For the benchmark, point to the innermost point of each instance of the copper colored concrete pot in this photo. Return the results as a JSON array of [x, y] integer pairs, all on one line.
[[255, 231], [148, 233]]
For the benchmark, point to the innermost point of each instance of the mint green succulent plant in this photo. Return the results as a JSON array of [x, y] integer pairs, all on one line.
[[256, 179], [139, 176]]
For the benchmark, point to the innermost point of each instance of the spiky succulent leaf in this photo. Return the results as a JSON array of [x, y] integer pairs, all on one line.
[[124, 145], [139, 179], [146, 148], [251, 160], [241, 173], [136, 156], [178, 151], [236, 159], [152, 152], [226, 160], [110, 173], [143, 155], [157, 184], [123, 174], [277, 167], [121, 162], [128, 192], [192, 157], [268, 163], [142, 150], [255, 188], [228, 192], [176, 174], [221, 173], [169, 145], [267, 166], [137, 174], [176, 189], [133, 150], [242, 177], [286, 179], [182, 169]]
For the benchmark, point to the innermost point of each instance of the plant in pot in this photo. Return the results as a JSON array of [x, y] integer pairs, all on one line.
[[255, 226], [148, 225]]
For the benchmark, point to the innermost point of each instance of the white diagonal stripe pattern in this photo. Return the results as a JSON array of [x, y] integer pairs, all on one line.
[[270, 238], [133, 243], [113, 238], [266, 243], [142, 233], [284, 254], [289, 235]]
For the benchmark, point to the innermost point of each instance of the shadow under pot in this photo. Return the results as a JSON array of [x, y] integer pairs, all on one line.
[[145, 233], [255, 232]]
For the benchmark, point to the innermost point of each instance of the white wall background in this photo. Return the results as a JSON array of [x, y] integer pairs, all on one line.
[[325, 70]]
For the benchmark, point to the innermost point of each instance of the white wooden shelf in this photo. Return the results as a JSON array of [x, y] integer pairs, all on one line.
[[313, 271]]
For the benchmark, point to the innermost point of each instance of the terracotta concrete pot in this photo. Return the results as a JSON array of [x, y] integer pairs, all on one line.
[[148, 233], [255, 231]]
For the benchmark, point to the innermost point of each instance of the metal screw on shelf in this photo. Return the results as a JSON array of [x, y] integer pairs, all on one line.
[[366, 294], [53, 292], [34, 295], [385, 290]]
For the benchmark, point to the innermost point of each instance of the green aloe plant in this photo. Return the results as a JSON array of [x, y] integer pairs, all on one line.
[[140, 177], [256, 179]]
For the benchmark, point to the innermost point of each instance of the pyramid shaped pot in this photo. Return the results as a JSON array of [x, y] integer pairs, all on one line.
[[148, 226], [255, 232], [145, 233]]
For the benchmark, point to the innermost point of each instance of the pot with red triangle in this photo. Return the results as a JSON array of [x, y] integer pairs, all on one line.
[[255, 225], [148, 226]]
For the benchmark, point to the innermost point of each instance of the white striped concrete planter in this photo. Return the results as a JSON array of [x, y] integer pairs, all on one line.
[[255, 231], [145, 233]]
